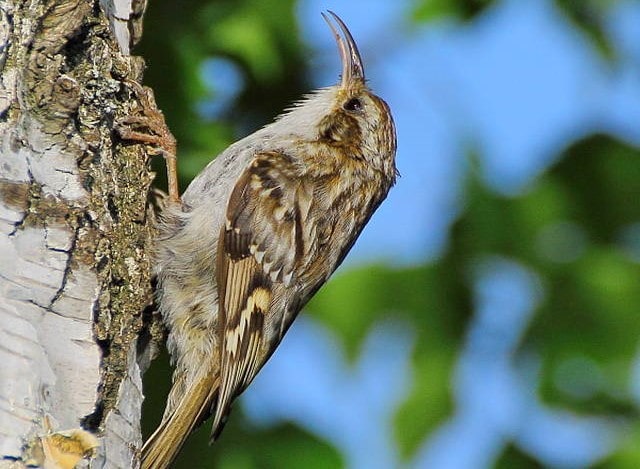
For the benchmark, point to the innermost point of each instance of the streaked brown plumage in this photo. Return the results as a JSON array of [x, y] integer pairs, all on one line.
[[258, 232]]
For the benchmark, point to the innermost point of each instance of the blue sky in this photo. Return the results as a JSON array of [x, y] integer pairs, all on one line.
[[517, 85]]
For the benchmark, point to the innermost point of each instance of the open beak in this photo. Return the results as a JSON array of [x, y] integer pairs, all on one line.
[[352, 68]]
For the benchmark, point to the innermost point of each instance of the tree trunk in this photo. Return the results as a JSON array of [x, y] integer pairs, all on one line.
[[75, 234]]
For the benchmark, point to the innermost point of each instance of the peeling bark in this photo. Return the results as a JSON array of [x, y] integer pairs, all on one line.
[[75, 233]]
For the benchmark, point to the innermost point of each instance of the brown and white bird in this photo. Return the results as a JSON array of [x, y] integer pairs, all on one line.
[[256, 234]]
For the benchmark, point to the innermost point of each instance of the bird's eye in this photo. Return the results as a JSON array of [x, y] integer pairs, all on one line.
[[353, 105]]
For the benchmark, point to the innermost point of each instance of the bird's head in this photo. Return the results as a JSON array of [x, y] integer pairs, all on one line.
[[348, 115]]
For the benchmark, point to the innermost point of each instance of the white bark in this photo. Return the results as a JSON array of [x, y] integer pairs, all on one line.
[[74, 235]]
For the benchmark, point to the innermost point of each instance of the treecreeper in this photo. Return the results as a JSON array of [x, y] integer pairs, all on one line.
[[256, 234]]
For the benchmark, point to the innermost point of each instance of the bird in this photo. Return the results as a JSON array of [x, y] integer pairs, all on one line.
[[256, 234]]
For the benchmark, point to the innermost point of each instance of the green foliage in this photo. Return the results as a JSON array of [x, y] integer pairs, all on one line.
[[427, 10], [259, 37], [628, 453], [429, 402], [568, 227], [588, 16], [512, 457], [243, 447], [359, 298], [591, 310]]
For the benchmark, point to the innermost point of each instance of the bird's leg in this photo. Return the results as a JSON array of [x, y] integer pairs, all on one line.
[[150, 128]]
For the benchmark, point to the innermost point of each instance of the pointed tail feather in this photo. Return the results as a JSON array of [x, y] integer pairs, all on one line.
[[165, 443]]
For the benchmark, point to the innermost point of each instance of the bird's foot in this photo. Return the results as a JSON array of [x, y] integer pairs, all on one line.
[[150, 128]]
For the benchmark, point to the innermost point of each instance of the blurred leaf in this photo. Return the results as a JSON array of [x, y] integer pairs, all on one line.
[[603, 177], [429, 10], [591, 312], [513, 457], [248, 37], [628, 453], [355, 299], [262, 37], [591, 306], [157, 382], [510, 226], [243, 447], [429, 402], [589, 17]]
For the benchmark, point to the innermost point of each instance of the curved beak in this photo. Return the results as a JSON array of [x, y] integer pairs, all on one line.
[[352, 68]]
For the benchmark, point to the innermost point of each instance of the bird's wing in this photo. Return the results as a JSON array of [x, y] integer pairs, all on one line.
[[258, 247]]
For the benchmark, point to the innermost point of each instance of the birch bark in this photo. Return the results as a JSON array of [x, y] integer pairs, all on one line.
[[75, 234]]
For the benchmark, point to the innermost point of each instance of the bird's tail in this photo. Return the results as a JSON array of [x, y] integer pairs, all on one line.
[[194, 407]]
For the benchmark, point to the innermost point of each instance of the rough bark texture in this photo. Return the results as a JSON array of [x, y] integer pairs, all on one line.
[[75, 234]]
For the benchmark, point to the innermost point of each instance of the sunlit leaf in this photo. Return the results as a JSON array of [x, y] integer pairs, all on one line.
[[429, 10]]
